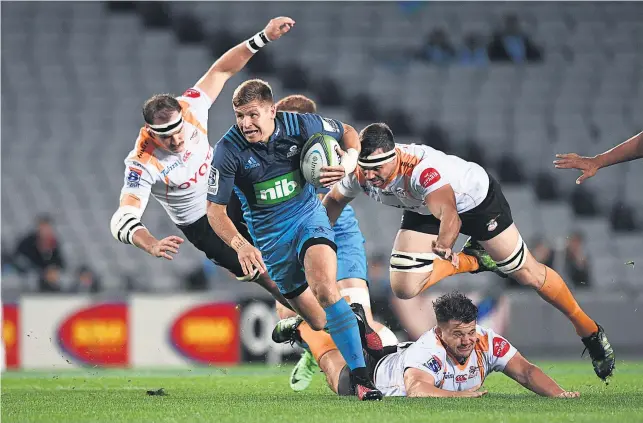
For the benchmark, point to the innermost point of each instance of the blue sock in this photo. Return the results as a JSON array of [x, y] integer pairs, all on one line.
[[342, 325]]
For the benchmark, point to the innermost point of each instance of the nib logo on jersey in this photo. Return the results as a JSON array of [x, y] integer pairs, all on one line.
[[279, 189], [96, 335]]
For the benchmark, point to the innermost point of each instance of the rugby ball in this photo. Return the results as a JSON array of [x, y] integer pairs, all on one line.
[[318, 151]]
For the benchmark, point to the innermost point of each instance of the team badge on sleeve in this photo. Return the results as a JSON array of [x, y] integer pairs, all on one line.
[[134, 177], [429, 176], [434, 364], [213, 181], [500, 346]]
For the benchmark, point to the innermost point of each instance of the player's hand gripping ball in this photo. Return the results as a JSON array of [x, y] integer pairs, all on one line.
[[319, 151]]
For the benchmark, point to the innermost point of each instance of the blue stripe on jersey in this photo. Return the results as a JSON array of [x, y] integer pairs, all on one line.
[[233, 138], [296, 119], [287, 122], [235, 132], [229, 138]]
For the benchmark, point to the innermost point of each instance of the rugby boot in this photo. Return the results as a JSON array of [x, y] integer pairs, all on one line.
[[364, 388], [371, 341], [286, 330], [601, 353], [485, 262], [302, 374]]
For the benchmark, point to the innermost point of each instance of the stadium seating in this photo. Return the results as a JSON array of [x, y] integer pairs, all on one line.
[[75, 74]]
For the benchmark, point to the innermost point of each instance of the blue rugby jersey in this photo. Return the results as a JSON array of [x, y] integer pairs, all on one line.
[[266, 175]]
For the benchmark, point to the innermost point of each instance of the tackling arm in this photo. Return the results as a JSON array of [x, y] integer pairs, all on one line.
[[237, 57], [441, 204], [421, 384], [351, 143], [126, 227], [335, 202], [631, 149], [534, 379]]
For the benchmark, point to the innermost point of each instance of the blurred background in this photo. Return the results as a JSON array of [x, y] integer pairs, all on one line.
[[507, 85]]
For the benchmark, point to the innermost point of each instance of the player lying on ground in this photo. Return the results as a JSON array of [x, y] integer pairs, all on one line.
[[450, 360], [171, 161], [443, 196], [631, 149], [259, 158], [351, 274]]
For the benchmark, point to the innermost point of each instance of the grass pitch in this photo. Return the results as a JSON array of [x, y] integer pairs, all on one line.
[[258, 393]]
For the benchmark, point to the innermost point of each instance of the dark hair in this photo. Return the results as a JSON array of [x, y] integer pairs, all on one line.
[[251, 90], [296, 103], [159, 108], [455, 306], [374, 136]]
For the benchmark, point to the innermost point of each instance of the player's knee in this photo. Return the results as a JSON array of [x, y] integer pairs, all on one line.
[[317, 323], [282, 311], [405, 289], [326, 295]]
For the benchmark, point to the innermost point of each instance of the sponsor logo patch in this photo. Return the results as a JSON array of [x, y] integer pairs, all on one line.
[[279, 189], [191, 93], [429, 176], [293, 151], [500, 346], [252, 163]]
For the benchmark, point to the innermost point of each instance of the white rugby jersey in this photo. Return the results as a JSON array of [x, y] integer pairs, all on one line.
[[420, 171], [491, 353], [179, 181]]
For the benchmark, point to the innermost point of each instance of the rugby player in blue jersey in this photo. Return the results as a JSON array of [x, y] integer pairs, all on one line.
[[259, 159], [351, 276]]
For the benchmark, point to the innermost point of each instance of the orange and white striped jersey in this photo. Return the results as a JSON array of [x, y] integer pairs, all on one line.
[[179, 181], [420, 171], [491, 353]]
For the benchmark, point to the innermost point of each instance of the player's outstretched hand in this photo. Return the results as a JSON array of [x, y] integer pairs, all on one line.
[[587, 165], [165, 246], [568, 394], [445, 253], [250, 259], [278, 27]]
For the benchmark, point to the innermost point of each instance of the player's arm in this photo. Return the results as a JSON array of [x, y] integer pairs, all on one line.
[[441, 204], [533, 378], [126, 225], [631, 149], [420, 384], [335, 202], [237, 57], [220, 185], [348, 159]]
